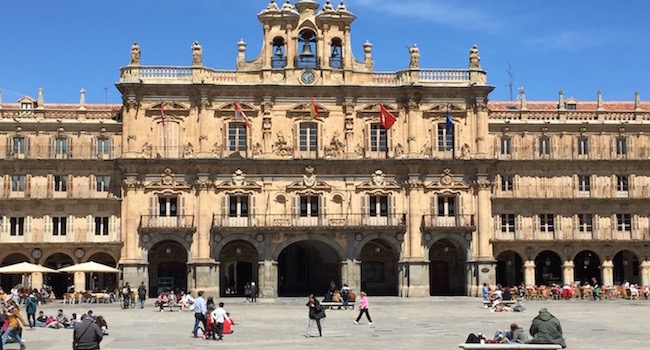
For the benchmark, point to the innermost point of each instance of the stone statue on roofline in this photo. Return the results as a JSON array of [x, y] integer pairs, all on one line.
[[474, 58], [135, 54], [197, 53], [415, 57]]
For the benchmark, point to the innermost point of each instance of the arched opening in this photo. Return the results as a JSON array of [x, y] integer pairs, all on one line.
[[59, 282], [548, 268], [239, 261], [9, 281], [626, 267], [307, 267], [379, 268], [308, 57], [279, 58], [446, 268], [336, 54], [167, 267], [510, 268], [102, 281], [586, 266]]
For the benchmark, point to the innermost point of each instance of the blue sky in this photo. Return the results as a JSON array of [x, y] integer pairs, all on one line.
[[577, 46]]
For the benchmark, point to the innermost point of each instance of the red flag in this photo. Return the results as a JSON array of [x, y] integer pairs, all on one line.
[[386, 118], [313, 111], [162, 113], [239, 114]]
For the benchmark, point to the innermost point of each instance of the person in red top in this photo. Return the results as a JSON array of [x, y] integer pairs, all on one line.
[[226, 325]]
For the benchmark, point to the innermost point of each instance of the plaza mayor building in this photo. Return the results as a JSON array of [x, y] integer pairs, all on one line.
[[304, 166]]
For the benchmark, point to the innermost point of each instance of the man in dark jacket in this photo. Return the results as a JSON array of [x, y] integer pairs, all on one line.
[[87, 335], [546, 329]]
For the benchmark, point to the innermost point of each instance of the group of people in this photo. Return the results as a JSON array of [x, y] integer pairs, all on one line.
[[250, 292], [545, 329], [317, 312], [215, 320], [19, 294], [172, 299]]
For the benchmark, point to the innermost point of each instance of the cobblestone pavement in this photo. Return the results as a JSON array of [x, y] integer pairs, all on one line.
[[399, 323]]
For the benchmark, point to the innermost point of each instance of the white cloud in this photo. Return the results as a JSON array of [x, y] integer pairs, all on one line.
[[570, 40], [435, 11]]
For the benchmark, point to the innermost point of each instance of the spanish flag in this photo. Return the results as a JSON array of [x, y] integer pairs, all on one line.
[[313, 110]]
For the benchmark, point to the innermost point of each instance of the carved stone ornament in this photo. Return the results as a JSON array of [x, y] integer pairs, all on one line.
[[238, 178], [167, 177], [568, 251], [335, 148], [447, 179], [168, 181], [309, 179], [281, 148], [378, 178]]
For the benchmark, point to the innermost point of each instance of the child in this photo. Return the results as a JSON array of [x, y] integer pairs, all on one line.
[[226, 325], [209, 326]]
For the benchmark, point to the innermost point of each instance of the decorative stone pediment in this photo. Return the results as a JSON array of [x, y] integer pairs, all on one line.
[[239, 182], [228, 110], [439, 110], [170, 107], [303, 110], [447, 180], [378, 181], [372, 110], [309, 182], [168, 181]]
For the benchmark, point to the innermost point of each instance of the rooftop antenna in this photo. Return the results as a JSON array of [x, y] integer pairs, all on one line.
[[511, 80], [106, 90]]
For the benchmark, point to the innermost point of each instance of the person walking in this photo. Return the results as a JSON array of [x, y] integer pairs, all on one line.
[[316, 313], [200, 309], [142, 294], [87, 335], [220, 316], [546, 329], [363, 308], [13, 327], [30, 308], [253, 292]]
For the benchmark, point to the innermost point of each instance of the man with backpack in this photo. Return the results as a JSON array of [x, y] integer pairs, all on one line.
[[30, 308], [142, 294]]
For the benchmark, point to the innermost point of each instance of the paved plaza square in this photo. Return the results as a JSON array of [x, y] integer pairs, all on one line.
[[399, 323]]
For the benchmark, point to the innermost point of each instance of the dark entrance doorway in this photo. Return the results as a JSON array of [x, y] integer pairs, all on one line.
[[510, 269], [167, 268], [102, 281], [9, 281], [59, 282], [586, 266], [239, 260], [307, 267], [548, 268], [439, 274], [447, 268], [379, 268]]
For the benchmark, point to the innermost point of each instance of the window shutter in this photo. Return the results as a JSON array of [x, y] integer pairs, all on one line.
[[28, 184], [295, 209], [28, 225], [225, 149], [249, 142], [112, 226], [322, 203], [110, 148], [48, 228], [459, 205], [90, 227], [92, 182], [252, 211], [393, 210], [390, 151], [434, 205], [50, 147], [321, 145], [296, 141], [153, 206], [93, 148], [69, 147], [71, 227], [366, 135], [50, 185], [365, 208], [69, 185], [4, 225], [10, 146], [181, 205]]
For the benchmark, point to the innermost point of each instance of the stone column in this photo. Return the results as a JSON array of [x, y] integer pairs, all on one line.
[[203, 222], [645, 272], [268, 278], [417, 271], [481, 128], [79, 281], [130, 222], [607, 273], [135, 273], [351, 274], [568, 272], [529, 272], [37, 280], [484, 210], [206, 277], [412, 129]]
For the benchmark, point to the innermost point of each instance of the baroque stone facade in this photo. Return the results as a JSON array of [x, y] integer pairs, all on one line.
[[281, 172]]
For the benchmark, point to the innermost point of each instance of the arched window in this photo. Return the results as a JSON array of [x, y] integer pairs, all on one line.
[[336, 55], [307, 48], [278, 58]]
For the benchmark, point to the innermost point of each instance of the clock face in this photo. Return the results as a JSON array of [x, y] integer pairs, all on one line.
[[308, 76]]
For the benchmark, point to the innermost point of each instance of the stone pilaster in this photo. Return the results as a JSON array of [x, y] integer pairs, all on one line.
[[268, 278], [607, 270], [414, 279], [134, 273], [645, 272], [413, 109], [529, 272], [481, 129], [130, 251], [37, 280], [203, 218], [568, 272], [484, 210], [415, 194], [204, 276], [79, 281], [351, 274]]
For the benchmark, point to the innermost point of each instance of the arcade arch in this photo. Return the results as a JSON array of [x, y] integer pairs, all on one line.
[[548, 268], [167, 267], [447, 259], [239, 265], [307, 266], [59, 282], [379, 268]]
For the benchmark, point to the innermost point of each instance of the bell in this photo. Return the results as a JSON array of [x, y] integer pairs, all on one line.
[[278, 51], [335, 51], [306, 50]]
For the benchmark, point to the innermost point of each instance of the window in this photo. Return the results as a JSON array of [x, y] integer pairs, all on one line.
[[379, 206], [622, 184], [544, 146], [238, 206], [506, 182], [547, 223], [59, 226], [378, 138], [167, 206], [101, 226], [18, 183], [446, 206], [583, 146], [571, 106], [236, 137], [18, 145], [17, 226], [584, 183], [308, 137], [61, 146], [308, 206], [60, 183], [103, 182], [506, 146], [621, 146], [103, 147], [623, 222], [508, 223], [586, 222], [445, 138], [25, 105]]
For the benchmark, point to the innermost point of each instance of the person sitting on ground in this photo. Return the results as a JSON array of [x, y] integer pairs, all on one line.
[[162, 300], [91, 315], [546, 329], [60, 321], [41, 320], [186, 301], [227, 325], [74, 321], [101, 322], [515, 335]]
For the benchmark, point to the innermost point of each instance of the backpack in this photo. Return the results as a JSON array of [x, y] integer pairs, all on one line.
[[473, 339]]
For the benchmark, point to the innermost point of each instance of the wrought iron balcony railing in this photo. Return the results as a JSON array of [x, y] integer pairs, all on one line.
[[437, 222], [297, 220], [167, 222]]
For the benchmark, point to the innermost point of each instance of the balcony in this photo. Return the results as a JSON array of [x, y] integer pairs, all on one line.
[[184, 223], [46, 152], [530, 152], [571, 233], [78, 191], [536, 191], [324, 222], [458, 223]]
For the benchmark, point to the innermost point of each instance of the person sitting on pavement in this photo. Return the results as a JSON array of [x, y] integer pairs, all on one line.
[[515, 335], [186, 301], [41, 320], [60, 321], [546, 329], [171, 300]]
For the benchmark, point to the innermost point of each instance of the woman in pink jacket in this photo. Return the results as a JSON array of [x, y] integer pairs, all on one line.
[[363, 308]]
